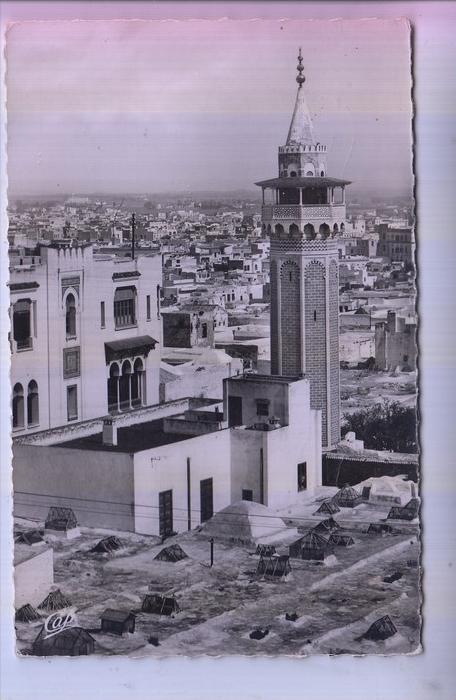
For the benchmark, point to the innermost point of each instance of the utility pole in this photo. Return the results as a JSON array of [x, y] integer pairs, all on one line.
[[212, 550], [133, 227]]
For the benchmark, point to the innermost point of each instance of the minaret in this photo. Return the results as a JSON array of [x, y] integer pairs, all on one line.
[[303, 213]]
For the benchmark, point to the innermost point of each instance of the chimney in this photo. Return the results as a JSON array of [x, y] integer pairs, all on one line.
[[109, 432]]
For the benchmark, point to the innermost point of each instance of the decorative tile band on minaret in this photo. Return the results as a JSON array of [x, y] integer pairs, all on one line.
[[303, 213]]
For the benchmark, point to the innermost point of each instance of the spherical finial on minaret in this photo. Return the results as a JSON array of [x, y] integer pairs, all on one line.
[[300, 78]]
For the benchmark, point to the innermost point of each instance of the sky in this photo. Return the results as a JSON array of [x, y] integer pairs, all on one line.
[[191, 105]]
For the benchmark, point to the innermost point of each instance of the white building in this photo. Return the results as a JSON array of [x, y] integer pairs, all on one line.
[[33, 573], [84, 331], [169, 468]]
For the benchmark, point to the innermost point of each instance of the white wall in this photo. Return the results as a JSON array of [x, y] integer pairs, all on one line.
[[97, 485], [283, 448], [286, 447], [356, 346], [205, 383], [246, 448], [163, 468], [33, 578]]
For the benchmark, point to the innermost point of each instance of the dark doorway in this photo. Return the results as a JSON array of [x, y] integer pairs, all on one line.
[[302, 476], [207, 499], [247, 495], [165, 512], [234, 411]]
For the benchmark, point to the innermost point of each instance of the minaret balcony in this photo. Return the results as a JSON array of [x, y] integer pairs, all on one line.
[[303, 212]]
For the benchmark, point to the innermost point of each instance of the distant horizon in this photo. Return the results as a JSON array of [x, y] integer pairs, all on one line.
[[254, 194]]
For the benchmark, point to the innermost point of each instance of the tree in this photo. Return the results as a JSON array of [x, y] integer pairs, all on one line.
[[385, 426]]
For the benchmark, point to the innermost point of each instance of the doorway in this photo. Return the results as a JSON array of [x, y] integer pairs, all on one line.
[[165, 512], [207, 499], [234, 411]]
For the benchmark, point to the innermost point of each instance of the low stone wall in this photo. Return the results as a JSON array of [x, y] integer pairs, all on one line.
[[182, 426], [338, 471], [91, 427]]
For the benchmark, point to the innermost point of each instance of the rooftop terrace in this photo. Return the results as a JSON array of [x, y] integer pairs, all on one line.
[[269, 378], [131, 439]]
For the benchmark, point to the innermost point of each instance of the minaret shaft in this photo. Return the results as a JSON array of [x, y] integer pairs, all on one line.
[[303, 213]]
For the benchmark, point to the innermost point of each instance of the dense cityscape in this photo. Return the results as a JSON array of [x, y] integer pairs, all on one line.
[[214, 418]]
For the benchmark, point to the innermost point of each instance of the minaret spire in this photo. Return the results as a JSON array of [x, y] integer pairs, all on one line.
[[300, 78], [301, 127]]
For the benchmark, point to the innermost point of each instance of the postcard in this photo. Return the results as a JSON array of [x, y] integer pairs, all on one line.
[[213, 336]]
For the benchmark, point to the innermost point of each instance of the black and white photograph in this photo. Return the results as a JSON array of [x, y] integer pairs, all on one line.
[[213, 333]]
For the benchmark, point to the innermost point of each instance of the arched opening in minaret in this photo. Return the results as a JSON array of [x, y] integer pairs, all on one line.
[[338, 196], [294, 231], [324, 231], [322, 173], [315, 195], [335, 229], [342, 228], [268, 195], [279, 230], [309, 232], [290, 318], [290, 195]]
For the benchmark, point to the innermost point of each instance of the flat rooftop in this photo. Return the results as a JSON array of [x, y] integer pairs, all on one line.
[[131, 439], [269, 378]]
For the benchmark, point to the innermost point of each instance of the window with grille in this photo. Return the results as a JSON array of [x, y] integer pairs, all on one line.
[[124, 307], [71, 363], [262, 407]]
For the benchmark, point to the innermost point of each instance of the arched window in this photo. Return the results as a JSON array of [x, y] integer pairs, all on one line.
[[335, 229], [294, 230], [309, 173], [279, 229], [309, 232], [113, 388], [18, 406], [70, 316], [33, 413], [324, 230], [124, 387], [293, 173], [322, 173], [137, 383]]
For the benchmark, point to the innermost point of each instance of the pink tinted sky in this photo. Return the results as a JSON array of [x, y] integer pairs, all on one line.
[[140, 106]]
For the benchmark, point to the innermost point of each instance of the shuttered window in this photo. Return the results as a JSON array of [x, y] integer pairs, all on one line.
[[124, 307]]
